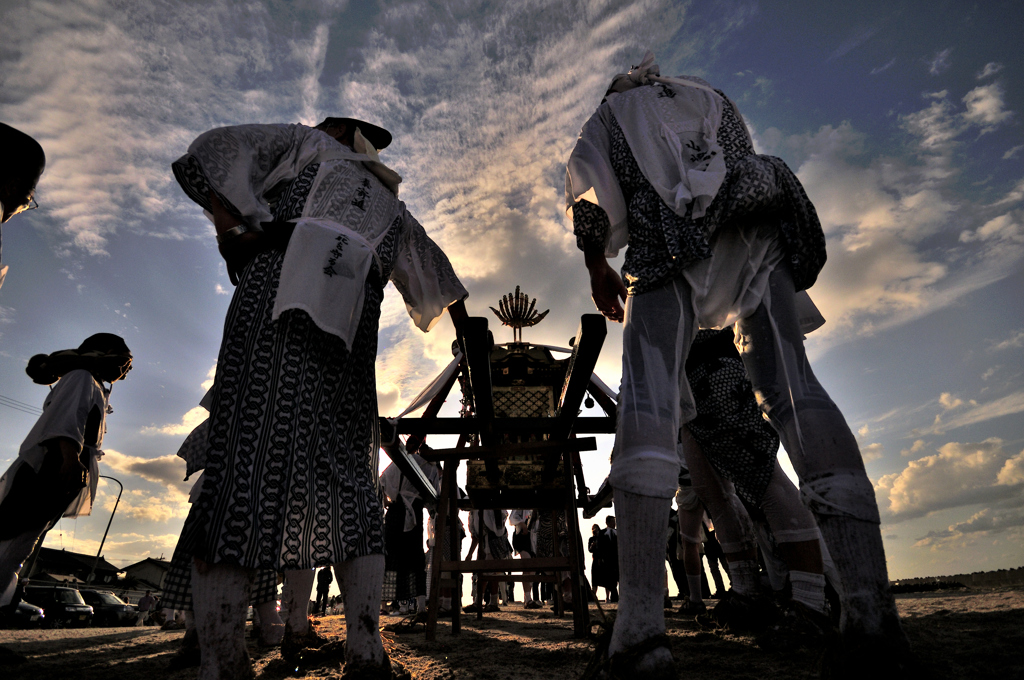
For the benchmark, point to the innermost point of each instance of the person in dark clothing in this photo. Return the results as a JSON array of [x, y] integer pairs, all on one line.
[[606, 559], [323, 587]]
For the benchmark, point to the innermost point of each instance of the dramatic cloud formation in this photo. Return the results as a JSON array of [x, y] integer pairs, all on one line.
[[986, 522], [1003, 406], [167, 470], [879, 213], [960, 474]]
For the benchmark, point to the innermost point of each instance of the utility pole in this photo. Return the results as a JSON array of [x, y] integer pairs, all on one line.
[[92, 572]]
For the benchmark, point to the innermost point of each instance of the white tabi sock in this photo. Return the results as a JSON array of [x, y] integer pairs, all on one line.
[[361, 581], [642, 533], [220, 598], [743, 575], [808, 589], [693, 583], [298, 584]]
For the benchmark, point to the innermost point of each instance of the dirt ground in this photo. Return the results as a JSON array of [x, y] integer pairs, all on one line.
[[962, 635]]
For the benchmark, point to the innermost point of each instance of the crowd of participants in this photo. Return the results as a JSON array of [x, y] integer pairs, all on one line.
[[309, 223]]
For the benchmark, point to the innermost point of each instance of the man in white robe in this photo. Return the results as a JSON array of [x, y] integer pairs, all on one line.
[[717, 236]]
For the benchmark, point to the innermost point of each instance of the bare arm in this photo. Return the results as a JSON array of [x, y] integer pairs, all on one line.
[[72, 472], [606, 285]]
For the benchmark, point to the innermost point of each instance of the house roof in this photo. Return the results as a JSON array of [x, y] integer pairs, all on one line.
[[65, 561], [162, 564]]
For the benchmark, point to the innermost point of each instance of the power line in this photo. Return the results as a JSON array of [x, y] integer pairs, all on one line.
[[20, 406]]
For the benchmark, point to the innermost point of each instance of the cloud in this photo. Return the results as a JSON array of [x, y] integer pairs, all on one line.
[[170, 502], [1004, 406], [916, 447], [189, 421], [888, 219], [998, 230], [208, 383], [985, 107], [960, 474], [167, 470], [871, 452], [1015, 341], [1014, 195], [888, 65], [940, 62], [115, 96], [990, 69], [1012, 152], [985, 522], [853, 42], [949, 402]]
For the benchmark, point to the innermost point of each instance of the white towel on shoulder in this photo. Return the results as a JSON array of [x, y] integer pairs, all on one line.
[[323, 273]]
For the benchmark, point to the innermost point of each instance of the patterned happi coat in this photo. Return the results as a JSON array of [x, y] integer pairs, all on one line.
[[291, 449]]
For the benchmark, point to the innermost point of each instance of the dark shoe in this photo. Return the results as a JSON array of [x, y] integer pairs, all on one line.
[[798, 627], [533, 604], [492, 607], [186, 657], [741, 613], [293, 645], [690, 609], [471, 609]]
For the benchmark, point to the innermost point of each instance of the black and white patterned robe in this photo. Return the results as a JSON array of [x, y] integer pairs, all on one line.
[[292, 446]]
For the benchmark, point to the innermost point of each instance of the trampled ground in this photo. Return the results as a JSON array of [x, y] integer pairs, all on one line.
[[962, 635]]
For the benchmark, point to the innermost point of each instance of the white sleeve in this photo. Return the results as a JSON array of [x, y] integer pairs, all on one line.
[[424, 276], [241, 163]]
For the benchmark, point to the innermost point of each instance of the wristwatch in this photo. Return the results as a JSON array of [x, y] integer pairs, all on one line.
[[233, 232]]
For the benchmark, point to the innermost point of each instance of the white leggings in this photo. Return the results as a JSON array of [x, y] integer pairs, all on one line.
[[655, 400]]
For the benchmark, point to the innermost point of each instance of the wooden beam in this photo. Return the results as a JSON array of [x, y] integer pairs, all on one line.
[[589, 340], [603, 399], [476, 345], [600, 425], [395, 448], [504, 450]]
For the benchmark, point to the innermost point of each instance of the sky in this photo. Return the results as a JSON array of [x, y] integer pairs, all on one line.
[[902, 120]]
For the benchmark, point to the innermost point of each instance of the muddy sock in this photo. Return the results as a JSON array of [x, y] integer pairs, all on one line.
[[360, 581], [743, 575], [868, 605], [298, 584], [220, 596], [446, 602], [421, 603], [642, 532], [808, 589], [693, 583]]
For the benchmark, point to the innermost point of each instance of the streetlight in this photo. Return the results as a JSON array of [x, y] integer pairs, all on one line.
[[92, 572]]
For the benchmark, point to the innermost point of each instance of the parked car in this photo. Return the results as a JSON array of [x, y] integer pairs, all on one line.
[[25, 615], [109, 609], [63, 606]]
